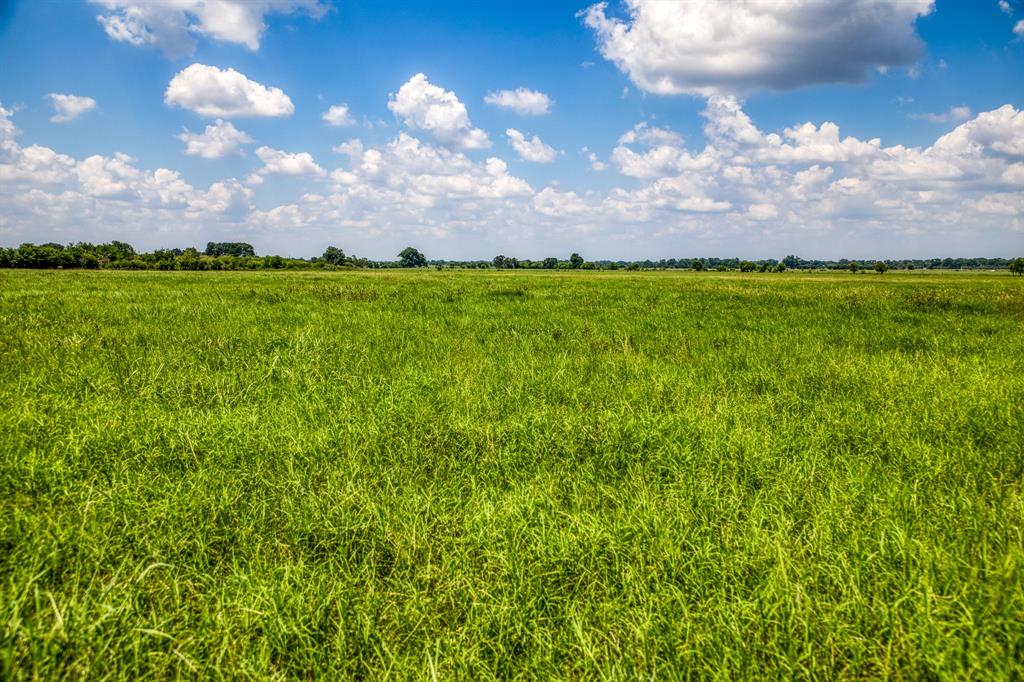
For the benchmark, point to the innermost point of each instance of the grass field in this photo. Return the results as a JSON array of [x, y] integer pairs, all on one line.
[[491, 474]]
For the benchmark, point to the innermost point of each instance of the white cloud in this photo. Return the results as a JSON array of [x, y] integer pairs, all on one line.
[[213, 92], [69, 107], [171, 25], [763, 211], [218, 140], [707, 46], [287, 163], [338, 115], [532, 149], [1004, 5], [424, 106], [954, 114], [595, 163], [1018, 29], [522, 101], [424, 173], [1000, 131], [740, 188], [555, 204], [650, 135]]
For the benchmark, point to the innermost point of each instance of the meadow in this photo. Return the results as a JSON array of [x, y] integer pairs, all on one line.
[[474, 475]]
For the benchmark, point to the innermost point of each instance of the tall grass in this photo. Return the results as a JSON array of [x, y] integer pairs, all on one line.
[[483, 475]]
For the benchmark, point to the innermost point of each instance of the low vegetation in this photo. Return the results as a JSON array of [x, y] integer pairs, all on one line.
[[242, 256], [474, 475]]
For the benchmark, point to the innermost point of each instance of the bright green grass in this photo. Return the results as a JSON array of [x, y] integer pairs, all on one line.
[[543, 475]]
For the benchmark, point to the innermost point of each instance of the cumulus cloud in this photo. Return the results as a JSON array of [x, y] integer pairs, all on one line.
[[69, 107], [708, 47], [171, 25], [218, 140], [287, 163], [424, 106], [1005, 7], [738, 186], [1018, 29], [213, 92], [954, 114], [49, 195], [338, 115], [532, 149], [554, 204], [595, 163], [522, 101]]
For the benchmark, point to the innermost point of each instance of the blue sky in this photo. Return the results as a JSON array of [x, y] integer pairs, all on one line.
[[663, 129]]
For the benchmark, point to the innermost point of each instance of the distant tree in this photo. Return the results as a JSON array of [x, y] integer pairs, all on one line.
[[764, 267], [240, 249], [854, 266], [633, 267], [411, 258], [780, 267], [881, 267], [747, 266], [587, 265], [1017, 266], [334, 256], [697, 264], [792, 262], [575, 261], [550, 263]]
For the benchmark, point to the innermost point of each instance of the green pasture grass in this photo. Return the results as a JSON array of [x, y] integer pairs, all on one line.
[[476, 475]]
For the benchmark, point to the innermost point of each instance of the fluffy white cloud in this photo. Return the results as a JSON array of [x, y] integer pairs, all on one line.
[[217, 141], [532, 149], [1000, 131], [740, 188], [69, 107], [707, 46], [554, 204], [52, 196], [953, 115], [521, 100], [595, 163], [287, 163], [424, 173], [424, 106], [213, 92], [171, 25], [338, 115], [1018, 29]]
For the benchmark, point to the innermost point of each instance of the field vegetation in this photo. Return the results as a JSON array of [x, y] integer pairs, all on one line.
[[504, 474]]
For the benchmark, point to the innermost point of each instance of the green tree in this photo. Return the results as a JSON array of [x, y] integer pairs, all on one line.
[[697, 264], [334, 256], [747, 266], [881, 267], [411, 258], [240, 249], [854, 266], [575, 261], [550, 263], [1017, 266]]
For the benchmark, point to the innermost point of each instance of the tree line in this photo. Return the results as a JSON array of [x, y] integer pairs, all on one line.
[[117, 255]]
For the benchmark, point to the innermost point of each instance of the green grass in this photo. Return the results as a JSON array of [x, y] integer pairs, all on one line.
[[545, 475]]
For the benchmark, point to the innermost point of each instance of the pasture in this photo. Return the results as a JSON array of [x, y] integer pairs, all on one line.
[[473, 475]]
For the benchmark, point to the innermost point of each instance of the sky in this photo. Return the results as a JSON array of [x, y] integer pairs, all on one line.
[[627, 129]]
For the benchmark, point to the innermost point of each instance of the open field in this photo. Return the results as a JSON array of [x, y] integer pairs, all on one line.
[[492, 474]]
